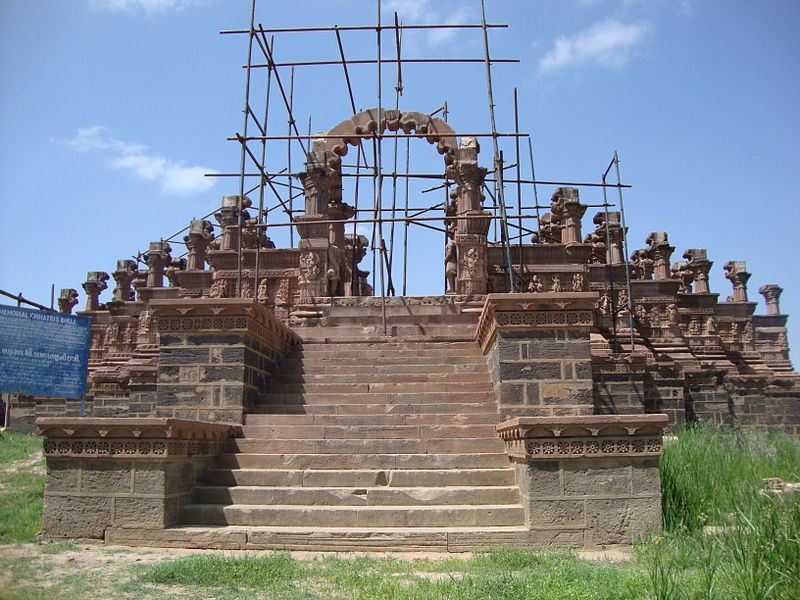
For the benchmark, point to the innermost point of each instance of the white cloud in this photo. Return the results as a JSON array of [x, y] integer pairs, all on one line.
[[424, 12], [148, 6], [608, 43], [172, 177]]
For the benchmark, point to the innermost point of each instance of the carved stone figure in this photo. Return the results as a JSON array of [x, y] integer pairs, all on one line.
[[672, 315], [247, 288], [556, 286], [535, 285], [310, 269], [577, 282], [67, 300], [451, 267], [220, 288], [263, 295], [694, 326], [604, 304], [711, 326], [640, 314]]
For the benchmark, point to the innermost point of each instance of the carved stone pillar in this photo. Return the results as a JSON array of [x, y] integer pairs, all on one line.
[[701, 266], [661, 253], [67, 300], [615, 235], [682, 271], [157, 258], [96, 282], [197, 240], [322, 189], [471, 229], [228, 218], [124, 276], [736, 273], [567, 208], [772, 296]]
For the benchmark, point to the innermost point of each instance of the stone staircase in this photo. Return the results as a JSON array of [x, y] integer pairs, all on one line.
[[385, 444]]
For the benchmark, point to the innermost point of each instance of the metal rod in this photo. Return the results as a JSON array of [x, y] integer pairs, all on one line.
[[268, 53], [535, 188], [289, 149], [519, 174], [261, 214], [498, 155], [379, 169], [368, 61], [614, 338], [625, 250], [386, 220], [405, 228], [325, 136], [22, 300], [371, 28], [243, 155]]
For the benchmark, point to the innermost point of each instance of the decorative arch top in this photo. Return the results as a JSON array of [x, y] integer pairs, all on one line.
[[351, 131]]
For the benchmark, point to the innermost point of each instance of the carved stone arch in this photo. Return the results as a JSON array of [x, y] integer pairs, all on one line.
[[350, 132]]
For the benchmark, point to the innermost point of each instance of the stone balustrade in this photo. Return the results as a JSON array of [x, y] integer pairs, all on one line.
[[588, 480], [122, 472]]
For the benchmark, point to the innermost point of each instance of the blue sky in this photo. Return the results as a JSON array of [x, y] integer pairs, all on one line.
[[111, 111]]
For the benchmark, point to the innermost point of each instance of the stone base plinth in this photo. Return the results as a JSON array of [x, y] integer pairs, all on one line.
[[121, 472], [595, 478]]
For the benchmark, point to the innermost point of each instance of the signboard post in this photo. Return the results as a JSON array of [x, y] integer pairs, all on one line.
[[43, 353]]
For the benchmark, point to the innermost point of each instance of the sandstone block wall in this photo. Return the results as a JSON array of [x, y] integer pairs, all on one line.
[[542, 372], [121, 472]]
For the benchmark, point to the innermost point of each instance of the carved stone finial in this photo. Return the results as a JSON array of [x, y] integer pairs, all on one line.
[[736, 273], [608, 232], [124, 275], [682, 271], [201, 233], [772, 296], [96, 282], [567, 208], [176, 265], [157, 258], [700, 266], [67, 300], [660, 251]]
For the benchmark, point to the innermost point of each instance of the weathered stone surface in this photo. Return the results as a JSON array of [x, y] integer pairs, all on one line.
[[76, 516]]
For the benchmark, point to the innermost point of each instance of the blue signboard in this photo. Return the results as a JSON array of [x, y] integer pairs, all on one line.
[[43, 353]]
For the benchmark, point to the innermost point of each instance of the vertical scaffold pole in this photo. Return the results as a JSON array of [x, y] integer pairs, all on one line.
[[498, 161], [243, 158], [625, 249]]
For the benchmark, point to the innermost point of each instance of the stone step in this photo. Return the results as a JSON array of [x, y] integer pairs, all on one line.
[[299, 432], [332, 359], [340, 462], [289, 378], [386, 397], [359, 446], [488, 418], [377, 388], [360, 496], [353, 516], [395, 352], [335, 539], [308, 367], [417, 478], [297, 406]]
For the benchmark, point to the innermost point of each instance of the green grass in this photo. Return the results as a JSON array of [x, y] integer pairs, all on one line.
[[709, 477], [714, 477], [271, 571], [508, 574], [21, 491]]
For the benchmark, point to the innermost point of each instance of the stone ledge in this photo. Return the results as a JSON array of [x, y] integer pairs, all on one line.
[[591, 436], [155, 438], [525, 311]]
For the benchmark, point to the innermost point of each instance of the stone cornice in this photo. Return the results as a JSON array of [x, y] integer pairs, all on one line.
[[225, 314], [129, 438], [574, 437], [545, 310]]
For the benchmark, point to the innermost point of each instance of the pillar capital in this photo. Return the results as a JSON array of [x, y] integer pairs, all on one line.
[[67, 300], [567, 208], [96, 282], [200, 234], [660, 251], [123, 276], [736, 273], [772, 296], [157, 258], [700, 266]]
